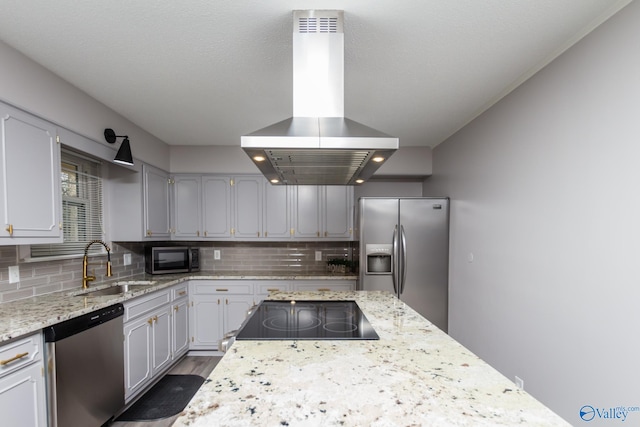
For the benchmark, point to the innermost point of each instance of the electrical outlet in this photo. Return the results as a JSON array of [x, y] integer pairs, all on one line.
[[318, 255], [519, 383], [216, 254], [14, 274], [126, 259]]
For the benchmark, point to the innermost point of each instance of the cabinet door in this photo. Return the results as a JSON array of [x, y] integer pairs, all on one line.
[[137, 357], [205, 321], [236, 307], [22, 398], [180, 326], [337, 211], [248, 207], [277, 211], [156, 202], [187, 210], [30, 198], [216, 202], [161, 340], [307, 211]]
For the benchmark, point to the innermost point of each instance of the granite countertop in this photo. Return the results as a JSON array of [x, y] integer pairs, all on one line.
[[414, 375], [25, 316]]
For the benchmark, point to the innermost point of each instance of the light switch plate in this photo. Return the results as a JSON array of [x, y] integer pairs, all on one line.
[[216, 254], [126, 259], [14, 274], [318, 255]]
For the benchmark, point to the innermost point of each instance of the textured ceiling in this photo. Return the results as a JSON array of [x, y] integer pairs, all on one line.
[[206, 72]]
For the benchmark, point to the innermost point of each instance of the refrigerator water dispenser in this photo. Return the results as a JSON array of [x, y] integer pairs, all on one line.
[[379, 258]]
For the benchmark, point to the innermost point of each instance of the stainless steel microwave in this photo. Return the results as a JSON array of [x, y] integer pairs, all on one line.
[[171, 259]]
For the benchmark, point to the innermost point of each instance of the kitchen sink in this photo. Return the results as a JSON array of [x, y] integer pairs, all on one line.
[[118, 288]]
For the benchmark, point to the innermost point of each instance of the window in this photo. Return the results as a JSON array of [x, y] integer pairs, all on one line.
[[81, 208]]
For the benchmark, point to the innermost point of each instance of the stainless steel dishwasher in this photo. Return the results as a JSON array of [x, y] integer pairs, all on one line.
[[85, 368]]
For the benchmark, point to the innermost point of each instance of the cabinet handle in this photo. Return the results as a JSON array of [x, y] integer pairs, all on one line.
[[150, 321], [182, 293], [258, 234], [233, 231], [149, 233], [326, 234], [16, 357], [176, 308], [317, 234], [155, 319], [10, 229], [265, 234], [222, 290], [198, 233], [292, 231], [218, 301], [226, 301], [272, 289], [205, 234], [324, 289]]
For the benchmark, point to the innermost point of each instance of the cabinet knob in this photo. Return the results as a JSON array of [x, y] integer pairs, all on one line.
[[16, 357], [176, 308], [10, 229], [149, 233], [150, 321], [155, 319]]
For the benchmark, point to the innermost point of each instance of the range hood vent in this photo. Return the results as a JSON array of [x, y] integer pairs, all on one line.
[[318, 145]]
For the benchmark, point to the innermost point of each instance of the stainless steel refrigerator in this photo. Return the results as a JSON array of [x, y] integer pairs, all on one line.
[[404, 249]]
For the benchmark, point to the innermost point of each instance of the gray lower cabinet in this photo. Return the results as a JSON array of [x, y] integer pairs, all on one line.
[[155, 335], [30, 197], [22, 383], [217, 307]]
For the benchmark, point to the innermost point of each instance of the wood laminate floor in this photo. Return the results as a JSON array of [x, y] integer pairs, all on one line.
[[197, 365]]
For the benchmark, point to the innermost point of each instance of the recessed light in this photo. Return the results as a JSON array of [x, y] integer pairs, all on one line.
[[259, 158], [378, 159], [359, 181], [274, 180]]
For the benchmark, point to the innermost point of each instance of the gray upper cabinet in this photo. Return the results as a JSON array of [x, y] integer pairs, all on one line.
[[247, 196], [216, 203], [337, 212], [187, 206], [276, 222], [30, 198], [323, 212], [156, 202], [306, 211]]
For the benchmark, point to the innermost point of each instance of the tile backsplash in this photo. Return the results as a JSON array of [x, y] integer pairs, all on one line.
[[42, 277]]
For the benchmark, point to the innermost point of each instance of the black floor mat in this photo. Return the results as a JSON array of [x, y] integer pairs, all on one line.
[[167, 398]]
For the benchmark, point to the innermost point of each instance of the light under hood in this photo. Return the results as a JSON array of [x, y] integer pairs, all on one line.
[[318, 146]]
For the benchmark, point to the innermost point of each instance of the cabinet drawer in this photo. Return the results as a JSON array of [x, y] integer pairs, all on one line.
[[266, 288], [325, 286], [19, 353], [180, 291], [139, 306], [221, 288]]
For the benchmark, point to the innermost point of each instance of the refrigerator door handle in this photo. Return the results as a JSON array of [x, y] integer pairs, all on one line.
[[394, 274], [403, 259]]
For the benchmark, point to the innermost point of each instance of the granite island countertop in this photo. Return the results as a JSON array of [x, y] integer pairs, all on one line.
[[414, 375], [28, 315]]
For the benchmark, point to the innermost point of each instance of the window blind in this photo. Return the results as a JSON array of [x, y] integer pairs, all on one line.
[[81, 186]]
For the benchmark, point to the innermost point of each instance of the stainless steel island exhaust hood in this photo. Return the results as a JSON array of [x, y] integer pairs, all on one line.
[[318, 145]]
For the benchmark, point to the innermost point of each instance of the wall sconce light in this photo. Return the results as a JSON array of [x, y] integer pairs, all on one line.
[[124, 153]]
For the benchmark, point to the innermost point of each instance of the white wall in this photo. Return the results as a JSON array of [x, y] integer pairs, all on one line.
[[545, 191], [27, 85]]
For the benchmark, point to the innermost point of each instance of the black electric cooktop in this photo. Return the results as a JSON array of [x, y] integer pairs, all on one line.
[[307, 320]]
